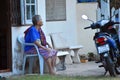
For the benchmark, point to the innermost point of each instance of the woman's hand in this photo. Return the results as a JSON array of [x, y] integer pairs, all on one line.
[[39, 45], [49, 45], [49, 49]]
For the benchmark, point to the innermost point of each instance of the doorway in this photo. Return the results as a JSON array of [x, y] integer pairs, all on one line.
[[5, 37]]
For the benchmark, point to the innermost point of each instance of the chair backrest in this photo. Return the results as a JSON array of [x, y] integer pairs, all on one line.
[[20, 39]]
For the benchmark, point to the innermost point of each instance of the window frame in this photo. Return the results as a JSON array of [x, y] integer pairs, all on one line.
[[24, 5]]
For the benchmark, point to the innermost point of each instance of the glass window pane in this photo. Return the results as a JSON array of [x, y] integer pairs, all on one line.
[[27, 1], [32, 1], [33, 10], [28, 12]]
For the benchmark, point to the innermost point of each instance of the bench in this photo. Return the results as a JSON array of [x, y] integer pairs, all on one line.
[[60, 43]]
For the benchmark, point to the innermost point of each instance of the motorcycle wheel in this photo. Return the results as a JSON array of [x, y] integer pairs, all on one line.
[[117, 67], [110, 66], [117, 70]]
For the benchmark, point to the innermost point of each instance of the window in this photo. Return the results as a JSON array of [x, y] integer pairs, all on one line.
[[28, 9], [22, 11], [55, 10], [79, 1]]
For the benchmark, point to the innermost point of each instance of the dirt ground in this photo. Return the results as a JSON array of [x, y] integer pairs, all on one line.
[[83, 69]]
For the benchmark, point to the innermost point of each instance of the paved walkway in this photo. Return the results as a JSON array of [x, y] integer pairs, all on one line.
[[83, 69]]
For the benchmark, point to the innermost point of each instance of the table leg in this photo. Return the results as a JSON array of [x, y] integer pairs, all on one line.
[[76, 58]]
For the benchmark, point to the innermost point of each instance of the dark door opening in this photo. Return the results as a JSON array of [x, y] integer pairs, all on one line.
[[3, 59], [5, 37]]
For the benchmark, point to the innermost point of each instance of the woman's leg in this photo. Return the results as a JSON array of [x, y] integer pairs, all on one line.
[[54, 56], [49, 63], [54, 61], [50, 58]]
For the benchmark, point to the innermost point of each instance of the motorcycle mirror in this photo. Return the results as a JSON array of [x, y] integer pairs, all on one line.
[[85, 17]]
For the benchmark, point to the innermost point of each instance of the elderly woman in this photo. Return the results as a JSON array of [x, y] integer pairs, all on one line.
[[34, 34]]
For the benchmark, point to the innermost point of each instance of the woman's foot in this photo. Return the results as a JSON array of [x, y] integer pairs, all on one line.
[[53, 72]]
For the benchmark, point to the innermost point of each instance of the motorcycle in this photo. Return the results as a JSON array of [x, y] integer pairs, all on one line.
[[107, 45]]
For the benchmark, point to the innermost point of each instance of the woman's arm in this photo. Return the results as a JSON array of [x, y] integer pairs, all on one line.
[[40, 46]]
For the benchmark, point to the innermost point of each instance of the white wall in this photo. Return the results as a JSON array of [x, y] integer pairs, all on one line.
[[42, 12], [68, 27], [16, 54], [85, 37]]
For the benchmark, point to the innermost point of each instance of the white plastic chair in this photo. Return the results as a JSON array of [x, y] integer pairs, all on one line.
[[26, 55]]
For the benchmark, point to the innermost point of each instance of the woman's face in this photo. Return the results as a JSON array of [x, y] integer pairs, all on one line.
[[40, 23]]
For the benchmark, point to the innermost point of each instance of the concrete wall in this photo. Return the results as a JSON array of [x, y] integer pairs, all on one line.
[[16, 49], [68, 27], [85, 37]]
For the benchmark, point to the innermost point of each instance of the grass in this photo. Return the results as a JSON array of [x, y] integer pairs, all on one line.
[[49, 77]]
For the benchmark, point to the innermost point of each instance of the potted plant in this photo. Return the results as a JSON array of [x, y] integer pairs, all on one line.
[[91, 56], [83, 58]]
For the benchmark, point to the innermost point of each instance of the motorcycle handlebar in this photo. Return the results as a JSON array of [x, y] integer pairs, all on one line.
[[116, 22], [94, 26], [87, 27], [111, 23]]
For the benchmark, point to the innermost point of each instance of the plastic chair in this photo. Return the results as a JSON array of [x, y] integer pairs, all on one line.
[[31, 59]]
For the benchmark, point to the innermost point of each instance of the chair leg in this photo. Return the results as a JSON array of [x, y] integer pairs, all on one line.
[[24, 61], [31, 60], [41, 64]]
